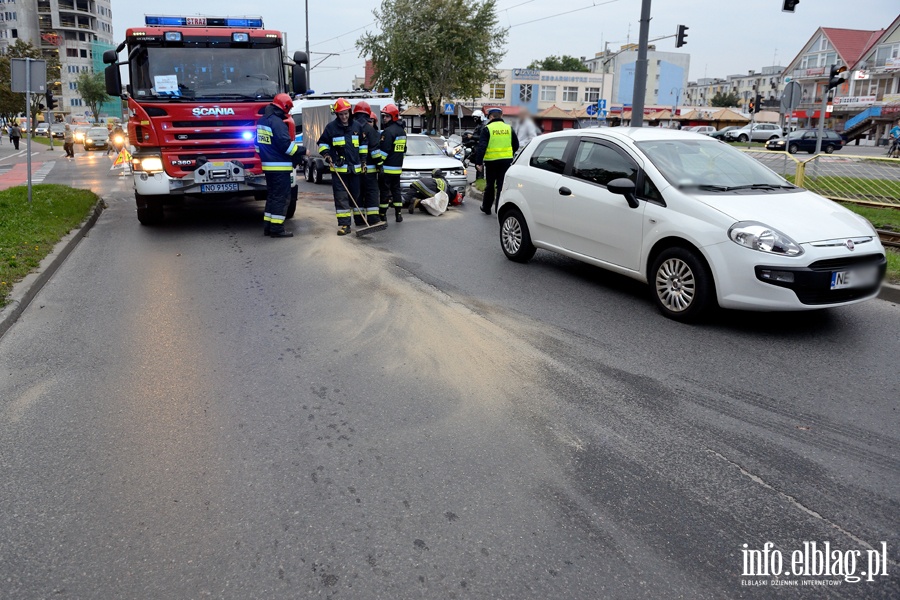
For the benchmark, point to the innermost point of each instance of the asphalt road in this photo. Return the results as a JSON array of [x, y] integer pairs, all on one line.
[[197, 411]]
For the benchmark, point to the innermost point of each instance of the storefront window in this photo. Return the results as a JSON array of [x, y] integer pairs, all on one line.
[[548, 93], [525, 93], [497, 91], [570, 94]]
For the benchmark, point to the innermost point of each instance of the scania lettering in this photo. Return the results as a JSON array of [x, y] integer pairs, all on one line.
[[198, 85], [202, 112]]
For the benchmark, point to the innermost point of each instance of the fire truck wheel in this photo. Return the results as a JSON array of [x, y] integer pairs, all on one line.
[[292, 204], [149, 209]]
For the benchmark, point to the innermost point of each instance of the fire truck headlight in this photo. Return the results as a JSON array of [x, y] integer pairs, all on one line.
[[151, 164]]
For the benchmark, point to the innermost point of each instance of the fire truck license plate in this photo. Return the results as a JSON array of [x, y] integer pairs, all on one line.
[[219, 187]]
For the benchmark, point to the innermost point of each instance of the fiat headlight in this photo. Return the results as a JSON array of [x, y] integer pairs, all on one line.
[[763, 238]]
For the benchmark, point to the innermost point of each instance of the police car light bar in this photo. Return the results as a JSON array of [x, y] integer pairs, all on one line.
[[163, 21]]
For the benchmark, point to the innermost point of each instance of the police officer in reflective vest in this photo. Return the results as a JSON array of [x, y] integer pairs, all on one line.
[[391, 149], [368, 145], [339, 145], [494, 154], [278, 153]]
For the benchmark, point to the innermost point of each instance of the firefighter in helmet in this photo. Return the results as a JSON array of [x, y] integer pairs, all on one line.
[[368, 145], [339, 146], [391, 149], [279, 153]]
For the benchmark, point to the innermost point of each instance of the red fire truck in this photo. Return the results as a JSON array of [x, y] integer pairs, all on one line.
[[197, 86]]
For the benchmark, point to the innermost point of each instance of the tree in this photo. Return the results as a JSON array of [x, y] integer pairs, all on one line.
[[559, 63], [721, 100], [92, 89], [429, 50], [13, 103]]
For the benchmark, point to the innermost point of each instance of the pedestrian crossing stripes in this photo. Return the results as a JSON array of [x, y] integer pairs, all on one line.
[[39, 175]]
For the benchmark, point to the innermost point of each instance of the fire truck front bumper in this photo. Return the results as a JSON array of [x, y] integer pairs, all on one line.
[[214, 177]]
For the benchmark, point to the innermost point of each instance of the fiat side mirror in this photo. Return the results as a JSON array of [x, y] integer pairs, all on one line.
[[623, 187]]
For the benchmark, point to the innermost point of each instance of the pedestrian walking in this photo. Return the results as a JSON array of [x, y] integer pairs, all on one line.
[[894, 134], [279, 153], [14, 135], [494, 155], [368, 179], [339, 146], [69, 141], [391, 149]]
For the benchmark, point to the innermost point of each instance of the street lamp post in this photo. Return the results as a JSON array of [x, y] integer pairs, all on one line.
[[677, 91]]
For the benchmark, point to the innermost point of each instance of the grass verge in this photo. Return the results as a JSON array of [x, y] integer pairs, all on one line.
[[28, 233]]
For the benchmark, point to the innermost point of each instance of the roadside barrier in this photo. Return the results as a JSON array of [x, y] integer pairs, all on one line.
[[848, 178]]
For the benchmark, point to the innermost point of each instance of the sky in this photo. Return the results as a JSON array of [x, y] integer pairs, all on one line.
[[725, 37]]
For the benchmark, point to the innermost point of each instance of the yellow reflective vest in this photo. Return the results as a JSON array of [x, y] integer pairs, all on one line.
[[500, 143]]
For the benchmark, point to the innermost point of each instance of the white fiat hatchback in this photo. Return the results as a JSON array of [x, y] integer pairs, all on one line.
[[701, 222]]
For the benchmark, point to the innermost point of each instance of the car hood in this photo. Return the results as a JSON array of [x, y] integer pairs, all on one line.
[[803, 216], [429, 163]]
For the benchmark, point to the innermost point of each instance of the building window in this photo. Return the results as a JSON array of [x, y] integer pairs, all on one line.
[[497, 91], [570, 94], [548, 93], [591, 95], [73, 52], [83, 53], [525, 93]]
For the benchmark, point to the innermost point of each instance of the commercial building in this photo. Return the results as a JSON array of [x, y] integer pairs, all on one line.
[[78, 31], [875, 88], [538, 90], [667, 74], [767, 83]]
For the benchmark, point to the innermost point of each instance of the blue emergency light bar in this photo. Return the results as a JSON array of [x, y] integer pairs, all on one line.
[[245, 22]]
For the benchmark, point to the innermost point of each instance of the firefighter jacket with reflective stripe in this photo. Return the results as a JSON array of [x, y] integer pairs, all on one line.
[[341, 143], [368, 143], [498, 142], [274, 143], [391, 148]]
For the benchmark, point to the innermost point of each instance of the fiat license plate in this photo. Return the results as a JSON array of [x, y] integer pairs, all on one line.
[[854, 278], [218, 187]]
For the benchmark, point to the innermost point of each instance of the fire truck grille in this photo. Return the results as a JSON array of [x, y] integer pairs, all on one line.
[[221, 123]]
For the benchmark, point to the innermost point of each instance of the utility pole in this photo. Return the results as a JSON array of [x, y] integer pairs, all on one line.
[[309, 58], [640, 68]]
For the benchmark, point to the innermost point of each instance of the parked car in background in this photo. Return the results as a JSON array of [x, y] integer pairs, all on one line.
[[42, 129], [758, 132], [58, 130], [96, 137], [703, 129], [720, 134], [424, 155], [702, 223], [805, 140]]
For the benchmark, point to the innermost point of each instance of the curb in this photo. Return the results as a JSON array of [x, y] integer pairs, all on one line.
[[890, 292], [25, 291], [473, 193]]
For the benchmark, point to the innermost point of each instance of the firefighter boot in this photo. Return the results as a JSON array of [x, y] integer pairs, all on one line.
[[343, 230], [398, 212]]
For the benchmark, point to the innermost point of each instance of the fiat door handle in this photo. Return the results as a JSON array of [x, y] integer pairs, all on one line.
[[564, 191]]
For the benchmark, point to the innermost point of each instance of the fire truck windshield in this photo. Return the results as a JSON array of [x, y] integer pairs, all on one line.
[[206, 73]]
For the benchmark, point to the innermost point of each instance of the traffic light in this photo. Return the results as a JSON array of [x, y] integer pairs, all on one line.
[[680, 36], [789, 5], [751, 108], [834, 77], [757, 103], [51, 101]]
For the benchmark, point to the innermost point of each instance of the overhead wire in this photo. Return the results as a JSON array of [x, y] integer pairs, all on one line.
[[595, 4]]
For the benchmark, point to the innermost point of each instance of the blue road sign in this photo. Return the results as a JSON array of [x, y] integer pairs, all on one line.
[[601, 103], [602, 113], [449, 108], [591, 109]]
